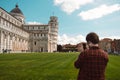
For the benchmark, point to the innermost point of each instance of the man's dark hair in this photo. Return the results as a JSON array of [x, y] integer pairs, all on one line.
[[92, 37]]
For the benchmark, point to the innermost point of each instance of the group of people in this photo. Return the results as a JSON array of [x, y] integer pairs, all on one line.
[[92, 62], [6, 50]]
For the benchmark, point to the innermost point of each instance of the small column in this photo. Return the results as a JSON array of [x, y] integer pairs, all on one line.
[[0, 42], [21, 44], [11, 43], [25, 48], [5, 41], [17, 44], [8, 42], [26, 44]]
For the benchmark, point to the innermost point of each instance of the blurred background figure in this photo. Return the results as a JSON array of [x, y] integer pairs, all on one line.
[[82, 46]]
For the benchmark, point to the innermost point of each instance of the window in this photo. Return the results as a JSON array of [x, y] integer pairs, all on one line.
[[8, 18], [34, 34], [5, 16], [38, 35], [42, 49], [35, 43], [33, 27], [27, 28], [1, 13], [3, 22], [6, 23], [0, 20], [36, 27], [45, 35]]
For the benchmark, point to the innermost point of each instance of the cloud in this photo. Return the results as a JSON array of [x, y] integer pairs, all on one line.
[[70, 6], [99, 12], [65, 39], [34, 22]]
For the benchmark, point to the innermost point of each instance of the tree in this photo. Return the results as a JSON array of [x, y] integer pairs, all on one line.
[[59, 48]]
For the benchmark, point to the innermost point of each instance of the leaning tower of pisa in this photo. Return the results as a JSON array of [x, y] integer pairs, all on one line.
[[53, 34]]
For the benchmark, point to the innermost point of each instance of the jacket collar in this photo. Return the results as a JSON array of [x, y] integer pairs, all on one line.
[[94, 47]]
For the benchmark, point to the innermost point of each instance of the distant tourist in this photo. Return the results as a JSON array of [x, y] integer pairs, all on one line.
[[82, 46], [92, 62]]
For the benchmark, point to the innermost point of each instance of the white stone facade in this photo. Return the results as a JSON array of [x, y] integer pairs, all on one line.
[[16, 36]]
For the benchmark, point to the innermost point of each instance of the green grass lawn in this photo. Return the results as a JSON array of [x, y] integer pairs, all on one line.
[[48, 66]]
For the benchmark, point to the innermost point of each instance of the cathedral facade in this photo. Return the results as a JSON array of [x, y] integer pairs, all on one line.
[[17, 36]]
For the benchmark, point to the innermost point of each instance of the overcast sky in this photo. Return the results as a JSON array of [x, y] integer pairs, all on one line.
[[76, 17]]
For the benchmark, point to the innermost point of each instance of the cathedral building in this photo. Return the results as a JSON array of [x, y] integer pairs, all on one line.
[[17, 36]]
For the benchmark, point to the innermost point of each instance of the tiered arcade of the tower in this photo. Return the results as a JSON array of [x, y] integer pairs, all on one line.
[[53, 33]]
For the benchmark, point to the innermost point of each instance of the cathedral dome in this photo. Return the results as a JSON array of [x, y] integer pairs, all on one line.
[[16, 10]]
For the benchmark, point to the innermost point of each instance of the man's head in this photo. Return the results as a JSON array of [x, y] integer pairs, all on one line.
[[92, 38]]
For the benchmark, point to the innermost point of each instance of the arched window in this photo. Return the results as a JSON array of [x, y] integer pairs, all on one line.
[[35, 43]]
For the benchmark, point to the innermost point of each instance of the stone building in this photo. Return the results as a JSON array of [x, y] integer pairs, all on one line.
[[105, 44], [116, 46], [16, 36], [69, 48]]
